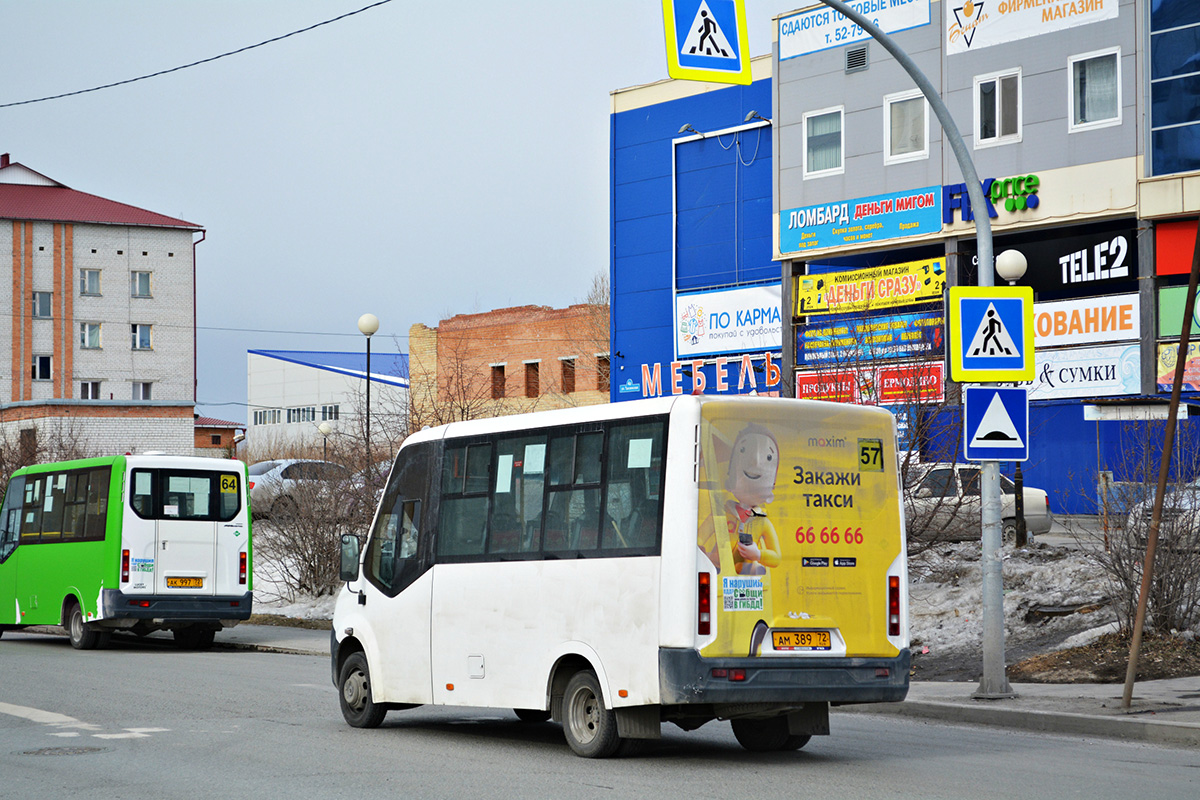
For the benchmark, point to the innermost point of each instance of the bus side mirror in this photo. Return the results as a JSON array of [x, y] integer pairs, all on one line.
[[350, 552]]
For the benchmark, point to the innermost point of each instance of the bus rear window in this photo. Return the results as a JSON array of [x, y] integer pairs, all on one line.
[[185, 494]]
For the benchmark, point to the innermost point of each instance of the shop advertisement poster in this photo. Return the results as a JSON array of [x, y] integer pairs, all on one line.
[[1089, 320], [1171, 302], [822, 28], [869, 289], [1103, 259], [1168, 359], [917, 382], [861, 221], [858, 338], [728, 321], [1087, 372], [976, 24]]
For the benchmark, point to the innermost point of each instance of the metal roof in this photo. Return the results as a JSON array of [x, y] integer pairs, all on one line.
[[22, 201], [389, 368]]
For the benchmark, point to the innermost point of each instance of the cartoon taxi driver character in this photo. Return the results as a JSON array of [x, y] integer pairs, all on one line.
[[753, 466]]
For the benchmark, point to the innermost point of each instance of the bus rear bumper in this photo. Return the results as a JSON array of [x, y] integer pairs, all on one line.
[[687, 678], [116, 604]]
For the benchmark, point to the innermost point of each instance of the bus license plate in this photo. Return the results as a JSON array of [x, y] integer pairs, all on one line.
[[800, 640], [185, 583]]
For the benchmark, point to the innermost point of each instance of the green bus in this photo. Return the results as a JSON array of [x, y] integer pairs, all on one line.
[[139, 543]]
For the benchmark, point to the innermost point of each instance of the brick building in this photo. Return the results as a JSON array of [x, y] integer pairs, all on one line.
[[508, 361], [216, 438], [101, 331]]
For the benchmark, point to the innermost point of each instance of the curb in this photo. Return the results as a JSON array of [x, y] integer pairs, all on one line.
[[266, 648], [1182, 734]]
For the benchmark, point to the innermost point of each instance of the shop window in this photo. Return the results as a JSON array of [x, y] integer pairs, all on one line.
[[1095, 89], [905, 127], [998, 108], [823, 143]]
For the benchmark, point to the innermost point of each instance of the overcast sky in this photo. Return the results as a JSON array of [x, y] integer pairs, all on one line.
[[416, 160]]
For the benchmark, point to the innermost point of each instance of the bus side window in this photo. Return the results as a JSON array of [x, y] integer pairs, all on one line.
[[463, 524], [97, 502], [141, 495], [31, 519], [10, 517], [633, 505]]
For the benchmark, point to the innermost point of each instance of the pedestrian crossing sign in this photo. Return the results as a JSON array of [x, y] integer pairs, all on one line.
[[991, 333], [995, 423], [707, 40]]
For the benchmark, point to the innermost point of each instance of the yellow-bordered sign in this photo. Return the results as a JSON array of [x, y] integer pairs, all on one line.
[[707, 40], [991, 333]]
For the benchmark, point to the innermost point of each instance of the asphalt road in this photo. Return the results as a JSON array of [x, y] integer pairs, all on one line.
[[145, 720]]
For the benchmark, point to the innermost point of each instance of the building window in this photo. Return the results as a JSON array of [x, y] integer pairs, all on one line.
[[1174, 87], [139, 337], [41, 368], [89, 390], [568, 375], [308, 414], [330, 412], [602, 372], [823, 143], [998, 108], [89, 281], [42, 305], [139, 284], [497, 381], [89, 335], [905, 127], [1095, 89], [141, 390], [216, 439], [531, 378]]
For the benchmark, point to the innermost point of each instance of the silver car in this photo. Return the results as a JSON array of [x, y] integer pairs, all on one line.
[[274, 485], [942, 501]]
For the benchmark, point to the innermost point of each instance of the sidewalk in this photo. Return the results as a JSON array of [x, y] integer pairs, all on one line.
[[1162, 712]]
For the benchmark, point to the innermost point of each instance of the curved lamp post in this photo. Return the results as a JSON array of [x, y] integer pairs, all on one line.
[[367, 325]]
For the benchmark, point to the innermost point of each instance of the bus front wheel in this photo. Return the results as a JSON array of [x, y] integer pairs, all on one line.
[[766, 735], [589, 726], [83, 636], [354, 688]]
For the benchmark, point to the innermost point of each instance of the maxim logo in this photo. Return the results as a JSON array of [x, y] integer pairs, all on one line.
[[823, 441]]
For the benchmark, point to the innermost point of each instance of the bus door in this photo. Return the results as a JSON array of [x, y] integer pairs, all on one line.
[[176, 531], [10, 537], [398, 588]]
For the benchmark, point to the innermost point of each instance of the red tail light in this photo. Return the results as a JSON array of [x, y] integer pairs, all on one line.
[[893, 605], [124, 566], [704, 605], [251, 483], [242, 568]]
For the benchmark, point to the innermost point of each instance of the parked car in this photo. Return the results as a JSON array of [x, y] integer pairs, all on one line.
[[942, 501], [1179, 521], [274, 485]]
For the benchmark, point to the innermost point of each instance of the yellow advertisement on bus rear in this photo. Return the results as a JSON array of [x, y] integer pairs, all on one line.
[[800, 517]]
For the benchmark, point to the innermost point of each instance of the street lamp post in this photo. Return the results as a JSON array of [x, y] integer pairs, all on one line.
[[367, 325], [325, 428], [1011, 266]]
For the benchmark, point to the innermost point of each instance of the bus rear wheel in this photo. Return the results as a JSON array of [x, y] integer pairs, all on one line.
[[588, 725], [354, 690], [767, 735], [82, 635]]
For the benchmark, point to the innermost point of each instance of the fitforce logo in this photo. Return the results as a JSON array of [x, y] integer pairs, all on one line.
[[967, 17]]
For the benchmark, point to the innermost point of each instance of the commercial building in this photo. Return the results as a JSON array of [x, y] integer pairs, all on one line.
[[509, 361], [291, 392], [101, 331], [1079, 120]]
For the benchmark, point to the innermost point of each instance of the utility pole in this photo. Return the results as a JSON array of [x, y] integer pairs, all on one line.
[[994, 683]]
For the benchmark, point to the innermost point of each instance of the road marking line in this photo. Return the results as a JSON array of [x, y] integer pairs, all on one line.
[[37, 715]]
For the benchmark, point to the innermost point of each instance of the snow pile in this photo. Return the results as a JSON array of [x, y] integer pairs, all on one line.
[[946, 597], [272, 596]]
